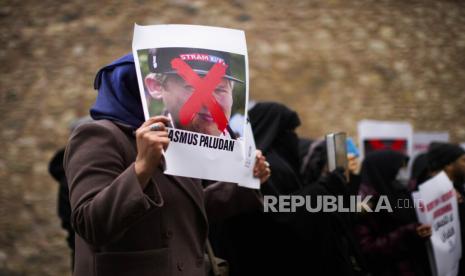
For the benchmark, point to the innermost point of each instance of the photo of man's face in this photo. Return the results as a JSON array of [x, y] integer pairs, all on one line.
[[165, 87], [175, 91]]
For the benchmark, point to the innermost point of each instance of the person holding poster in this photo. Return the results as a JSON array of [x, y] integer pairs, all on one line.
[[450, 158], [258, 243], [391, 239], [130, 218]]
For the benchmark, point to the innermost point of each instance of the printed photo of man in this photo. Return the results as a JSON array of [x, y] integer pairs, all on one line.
[[166, 87]]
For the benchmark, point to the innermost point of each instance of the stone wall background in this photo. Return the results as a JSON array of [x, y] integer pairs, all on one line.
[[334, 61]]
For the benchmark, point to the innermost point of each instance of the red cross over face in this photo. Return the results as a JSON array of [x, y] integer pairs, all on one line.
[[199, 104]]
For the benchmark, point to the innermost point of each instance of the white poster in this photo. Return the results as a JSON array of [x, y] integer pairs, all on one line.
[[198, 77], [436, 205], [383, 135]]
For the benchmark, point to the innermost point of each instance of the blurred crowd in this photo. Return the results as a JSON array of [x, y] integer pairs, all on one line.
[[323, 243]]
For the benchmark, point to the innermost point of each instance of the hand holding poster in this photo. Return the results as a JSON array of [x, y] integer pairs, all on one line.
[[197, 76], [437, 206]]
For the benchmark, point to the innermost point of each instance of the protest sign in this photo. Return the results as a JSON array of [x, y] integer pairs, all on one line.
[[197, 76], [380, 135], [436, 205], [385, 135]]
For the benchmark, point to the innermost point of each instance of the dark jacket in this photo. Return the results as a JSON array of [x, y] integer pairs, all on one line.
[[258, 243], [124, 230], [332, 248], [56, 169], [388, 239], [390, 246]]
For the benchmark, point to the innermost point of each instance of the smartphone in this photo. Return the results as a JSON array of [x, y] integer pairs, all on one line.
[[336, 146]]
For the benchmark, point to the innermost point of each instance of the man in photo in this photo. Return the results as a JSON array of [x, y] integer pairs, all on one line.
[[164, 84]]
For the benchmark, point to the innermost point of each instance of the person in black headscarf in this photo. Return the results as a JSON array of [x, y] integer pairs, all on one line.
[[334, 249], [314, 244], [304, 146], [451, 159], [290, 243], [257, 243], [420, 172], [315, 163], [56, 170], [329, 236], [274, 128], [129, 217], [393, 242]]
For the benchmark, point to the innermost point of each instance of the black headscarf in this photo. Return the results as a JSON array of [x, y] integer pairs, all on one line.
[[441, 154], [274, 127], [379, 171], [314, 162], [380, 168], [241, 238], [420, 172]]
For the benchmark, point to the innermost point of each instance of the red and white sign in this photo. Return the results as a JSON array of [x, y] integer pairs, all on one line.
[[436, 204]]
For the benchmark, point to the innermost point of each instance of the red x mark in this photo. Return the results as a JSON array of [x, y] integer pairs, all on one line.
[[202, 95]]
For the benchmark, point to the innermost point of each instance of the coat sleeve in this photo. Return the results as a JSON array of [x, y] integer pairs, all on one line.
[[223, 200], [106, 198]]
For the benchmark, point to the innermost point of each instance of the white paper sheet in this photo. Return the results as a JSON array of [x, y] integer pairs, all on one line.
[[194, 150], [440, 210]]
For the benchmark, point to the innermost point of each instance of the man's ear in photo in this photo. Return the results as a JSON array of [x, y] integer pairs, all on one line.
[[154, 86]]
